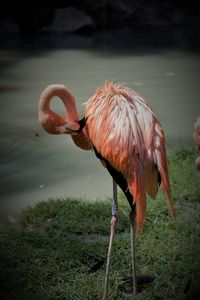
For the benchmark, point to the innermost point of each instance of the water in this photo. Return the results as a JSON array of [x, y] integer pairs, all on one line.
[[37, 166]]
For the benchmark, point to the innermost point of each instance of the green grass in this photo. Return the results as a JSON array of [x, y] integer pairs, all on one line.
[[51, 252]]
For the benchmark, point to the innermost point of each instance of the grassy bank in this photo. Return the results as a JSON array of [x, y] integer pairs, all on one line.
[[58, 248]]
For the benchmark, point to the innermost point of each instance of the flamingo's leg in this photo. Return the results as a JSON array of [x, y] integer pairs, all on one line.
[[112, 232], [133, 231]]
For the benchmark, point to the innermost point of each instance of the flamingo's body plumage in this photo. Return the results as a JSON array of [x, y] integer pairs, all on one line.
[[124, 133]]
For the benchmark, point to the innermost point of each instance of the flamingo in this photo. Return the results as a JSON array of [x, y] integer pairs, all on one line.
[[196, 136], [128, 139]]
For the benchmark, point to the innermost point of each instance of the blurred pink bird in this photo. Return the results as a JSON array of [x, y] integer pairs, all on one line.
[[127, 137], [196, 137]]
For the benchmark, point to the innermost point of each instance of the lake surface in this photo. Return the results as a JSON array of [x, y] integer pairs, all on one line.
[[37, 166]]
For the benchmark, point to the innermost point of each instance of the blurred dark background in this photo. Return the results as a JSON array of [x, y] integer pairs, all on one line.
[[179, 20]]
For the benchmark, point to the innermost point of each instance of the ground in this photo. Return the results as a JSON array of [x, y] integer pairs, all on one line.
[[57, 250]]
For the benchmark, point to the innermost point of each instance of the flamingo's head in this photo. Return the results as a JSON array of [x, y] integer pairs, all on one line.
[[55, 124], [51, 122]]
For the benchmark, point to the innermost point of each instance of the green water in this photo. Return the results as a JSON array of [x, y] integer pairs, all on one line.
[[35, 165]]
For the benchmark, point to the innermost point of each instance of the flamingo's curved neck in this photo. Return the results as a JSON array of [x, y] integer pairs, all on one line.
[[58, 90]]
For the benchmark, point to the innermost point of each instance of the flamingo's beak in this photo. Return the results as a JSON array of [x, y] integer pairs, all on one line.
[[71, 128]]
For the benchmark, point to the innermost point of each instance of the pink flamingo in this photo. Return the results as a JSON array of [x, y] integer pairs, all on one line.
[[127, 137], [196, 137]]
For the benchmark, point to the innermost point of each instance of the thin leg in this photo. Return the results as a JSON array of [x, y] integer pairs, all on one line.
[[112, 232], [133, 227]]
